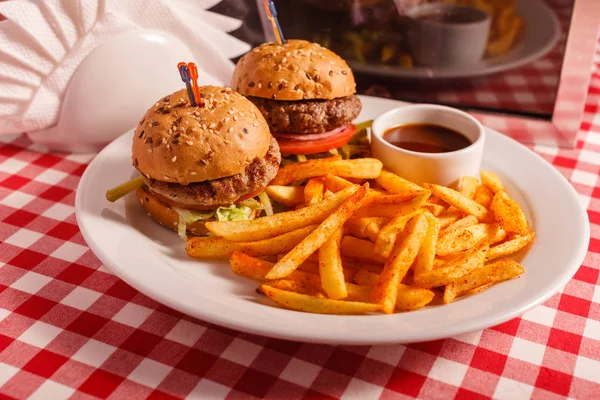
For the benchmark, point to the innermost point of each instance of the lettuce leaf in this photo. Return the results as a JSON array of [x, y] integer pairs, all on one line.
[[233, 213], [189, 217]]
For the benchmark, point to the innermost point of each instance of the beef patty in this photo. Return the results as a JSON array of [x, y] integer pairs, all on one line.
[[308, 116], [223, 191]]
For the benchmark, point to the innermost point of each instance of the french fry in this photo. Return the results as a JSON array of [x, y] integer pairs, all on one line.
[[392, 210], [328, 193], [316, 238], [448, 217], [358, 292], [461, 202], [395, 184], [403, 255], [488, 274], [365, 228], [438, 201], [251, 267], [266, 227], [511, 246], [492, 181], [477, 289], [504, 18], [468, 186], [298, 286], [426, 255], [386, 238], [289, 196], [435, 209], [330, 268], [505, 41], [363, 168], [306, 303], [313, 268], [336, 183], [365, 277], [313, 191], [457, 225], [361, 250], [484, 195], [377, 199], [218, 247], [465, 238], [351, 264], [256, 269], [453, 270], [308, 266], [409, 297], [509, 214]]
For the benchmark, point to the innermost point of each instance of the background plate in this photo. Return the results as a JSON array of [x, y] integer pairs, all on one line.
[[541, 32]]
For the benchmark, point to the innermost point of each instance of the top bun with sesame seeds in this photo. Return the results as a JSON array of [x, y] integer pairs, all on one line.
[[177, 143], [294, 70]]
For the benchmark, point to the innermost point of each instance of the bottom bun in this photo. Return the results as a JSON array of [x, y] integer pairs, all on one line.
[[164, 213]]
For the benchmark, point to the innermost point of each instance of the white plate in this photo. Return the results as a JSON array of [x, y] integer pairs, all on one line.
[[152, 259], [541, 32]]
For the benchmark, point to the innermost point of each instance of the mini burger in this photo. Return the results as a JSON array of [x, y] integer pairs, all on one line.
[[304, 91], [202, 163]]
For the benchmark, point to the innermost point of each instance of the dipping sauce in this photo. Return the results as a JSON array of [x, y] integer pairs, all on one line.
[[426, 138], [451, 16]]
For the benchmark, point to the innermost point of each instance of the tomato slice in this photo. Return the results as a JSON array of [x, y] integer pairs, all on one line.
[[249, 195], [317, 146]]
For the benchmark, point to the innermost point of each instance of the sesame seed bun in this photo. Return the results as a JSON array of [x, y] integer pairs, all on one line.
[[295, 70], [164, 214], [175, 142]]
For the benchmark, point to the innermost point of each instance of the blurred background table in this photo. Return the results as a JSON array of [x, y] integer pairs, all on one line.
[[71, 329], [530, 89]]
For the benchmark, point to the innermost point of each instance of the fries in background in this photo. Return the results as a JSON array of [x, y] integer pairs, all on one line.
[[351, 249]]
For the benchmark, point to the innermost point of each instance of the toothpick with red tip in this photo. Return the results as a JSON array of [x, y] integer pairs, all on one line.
[[194, 75], [272, 15], [185, 77]]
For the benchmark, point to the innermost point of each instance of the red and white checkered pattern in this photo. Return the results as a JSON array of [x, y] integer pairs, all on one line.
[[71, 329], [531, 88]]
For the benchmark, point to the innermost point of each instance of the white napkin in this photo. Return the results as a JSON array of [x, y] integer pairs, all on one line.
[[42, 42]]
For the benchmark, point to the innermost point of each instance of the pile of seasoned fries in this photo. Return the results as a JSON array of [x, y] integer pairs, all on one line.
[[358, 239]]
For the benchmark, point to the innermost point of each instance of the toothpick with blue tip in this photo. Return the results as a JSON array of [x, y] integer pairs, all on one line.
[[186, 78]]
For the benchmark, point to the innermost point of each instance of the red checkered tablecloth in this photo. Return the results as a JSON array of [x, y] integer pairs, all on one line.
[[71, 329]]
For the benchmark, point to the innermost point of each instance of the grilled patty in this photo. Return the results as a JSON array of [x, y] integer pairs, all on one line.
[[308, 116], [225, 190]]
